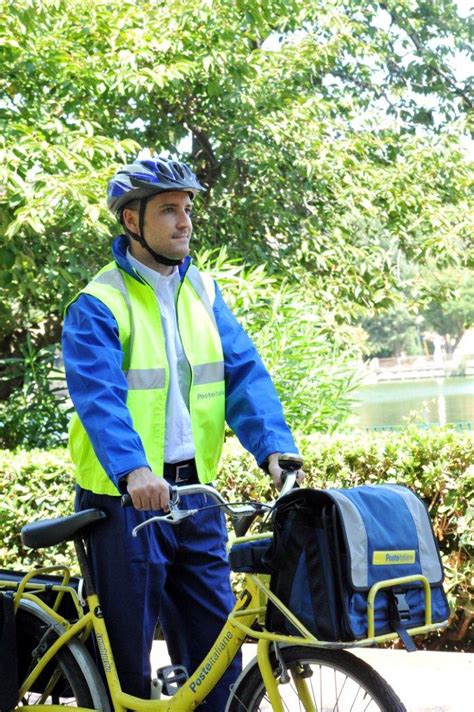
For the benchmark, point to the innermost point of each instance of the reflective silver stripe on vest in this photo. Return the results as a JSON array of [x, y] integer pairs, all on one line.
[[199, 287], [354, 523], [114, 278], [208, 373], [429, 557], [144, 379]]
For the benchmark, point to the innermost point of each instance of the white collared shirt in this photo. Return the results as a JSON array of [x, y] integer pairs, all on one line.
[[179, 442]]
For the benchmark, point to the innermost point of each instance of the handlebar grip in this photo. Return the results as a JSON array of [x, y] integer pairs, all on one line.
[[126, 500]]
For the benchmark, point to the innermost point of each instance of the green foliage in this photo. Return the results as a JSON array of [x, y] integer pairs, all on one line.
[[311, 176], [436, 464], [35, 414], [451, 309], [35, 484], [392, 333], [302, 349], [447, 309], [305, 120]]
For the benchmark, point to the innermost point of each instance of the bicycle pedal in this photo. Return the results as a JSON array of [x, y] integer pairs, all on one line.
[[171, 678]]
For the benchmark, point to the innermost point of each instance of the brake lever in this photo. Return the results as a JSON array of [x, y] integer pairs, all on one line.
[[174, 516]]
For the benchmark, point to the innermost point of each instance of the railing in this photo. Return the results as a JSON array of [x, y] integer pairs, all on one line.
[[426, 361], [411, 367], [460, 426]]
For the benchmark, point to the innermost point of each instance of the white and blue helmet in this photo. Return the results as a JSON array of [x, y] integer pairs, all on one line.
[[143, 179]]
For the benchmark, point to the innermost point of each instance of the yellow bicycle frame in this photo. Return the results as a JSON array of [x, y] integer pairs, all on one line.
[[249, 608]]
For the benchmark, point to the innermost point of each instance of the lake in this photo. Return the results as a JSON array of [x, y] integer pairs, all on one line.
[[424, 401]]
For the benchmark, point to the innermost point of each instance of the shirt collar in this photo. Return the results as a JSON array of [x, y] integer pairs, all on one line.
[[154, 278], [120, 250]]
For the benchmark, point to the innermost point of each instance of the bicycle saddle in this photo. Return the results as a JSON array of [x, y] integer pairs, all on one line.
[[48, 532]]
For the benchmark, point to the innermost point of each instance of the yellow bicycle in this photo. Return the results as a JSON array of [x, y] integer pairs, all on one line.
[[57, 617]]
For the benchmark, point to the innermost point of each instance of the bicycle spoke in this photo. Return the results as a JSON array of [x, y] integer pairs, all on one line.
[[320, 685], [338, 694]]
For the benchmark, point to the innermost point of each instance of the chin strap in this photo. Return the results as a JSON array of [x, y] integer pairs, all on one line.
[[139, 238]]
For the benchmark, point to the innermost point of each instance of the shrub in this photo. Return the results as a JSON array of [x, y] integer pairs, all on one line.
[[35, 484], [437, 464], [36, 412]]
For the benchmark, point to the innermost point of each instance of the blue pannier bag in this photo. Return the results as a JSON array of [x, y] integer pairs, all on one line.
[[247, 556], [331, 546]]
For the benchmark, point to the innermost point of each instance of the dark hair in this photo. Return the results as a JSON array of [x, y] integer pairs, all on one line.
[[132, 205]]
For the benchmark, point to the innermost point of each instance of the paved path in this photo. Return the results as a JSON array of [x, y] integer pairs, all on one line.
[[427, 681], [424, 681]]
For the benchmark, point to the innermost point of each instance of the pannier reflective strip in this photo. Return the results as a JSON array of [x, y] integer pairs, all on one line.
[[142, 379], [429, 559], [359, 551]]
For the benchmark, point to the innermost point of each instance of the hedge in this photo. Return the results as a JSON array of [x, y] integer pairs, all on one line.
[[438, 464]]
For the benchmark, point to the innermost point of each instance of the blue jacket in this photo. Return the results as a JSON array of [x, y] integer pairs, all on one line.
[[93, 361]]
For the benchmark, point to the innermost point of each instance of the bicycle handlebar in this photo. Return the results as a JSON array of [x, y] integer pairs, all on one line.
[[238, 511], [175, 515]]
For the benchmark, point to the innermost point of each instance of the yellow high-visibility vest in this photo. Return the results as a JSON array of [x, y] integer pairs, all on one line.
[[135, 308]]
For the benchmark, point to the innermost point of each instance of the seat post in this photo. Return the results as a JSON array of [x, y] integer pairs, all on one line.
[[84, 566]]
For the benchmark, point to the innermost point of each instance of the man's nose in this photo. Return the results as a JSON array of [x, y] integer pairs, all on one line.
[[184, 219]]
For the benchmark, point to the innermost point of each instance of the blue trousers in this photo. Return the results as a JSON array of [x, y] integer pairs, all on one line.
[[178, 574]]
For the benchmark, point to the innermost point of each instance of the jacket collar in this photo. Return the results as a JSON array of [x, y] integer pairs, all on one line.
[[119, 252]]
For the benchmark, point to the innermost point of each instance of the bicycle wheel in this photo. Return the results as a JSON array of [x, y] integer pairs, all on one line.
[[70, 679], [318, 680]]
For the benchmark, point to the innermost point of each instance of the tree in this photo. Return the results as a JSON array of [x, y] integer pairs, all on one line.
[[451, 309], [283, 107], [392, 333]]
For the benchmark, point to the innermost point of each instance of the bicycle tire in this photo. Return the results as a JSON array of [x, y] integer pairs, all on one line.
[[337, 681], [71, 679]]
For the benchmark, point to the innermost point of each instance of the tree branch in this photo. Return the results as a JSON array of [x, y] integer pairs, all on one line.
[[448, 79]]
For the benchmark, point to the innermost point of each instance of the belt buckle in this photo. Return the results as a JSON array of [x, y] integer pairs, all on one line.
[[178, 477]]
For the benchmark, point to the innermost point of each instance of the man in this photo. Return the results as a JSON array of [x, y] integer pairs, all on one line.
[[155, 364]]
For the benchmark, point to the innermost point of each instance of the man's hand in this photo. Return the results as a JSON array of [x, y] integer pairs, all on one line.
[[275, 471], [147, 490]]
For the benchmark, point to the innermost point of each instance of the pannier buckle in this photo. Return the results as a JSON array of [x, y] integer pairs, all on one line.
[[402, 606]]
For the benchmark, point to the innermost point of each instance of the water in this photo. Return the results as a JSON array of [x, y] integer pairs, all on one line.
[[425, 401]]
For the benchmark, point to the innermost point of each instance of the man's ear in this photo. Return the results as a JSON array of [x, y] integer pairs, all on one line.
[[130, 219]]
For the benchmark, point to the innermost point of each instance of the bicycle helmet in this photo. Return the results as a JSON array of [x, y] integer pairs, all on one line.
[[141, 180]]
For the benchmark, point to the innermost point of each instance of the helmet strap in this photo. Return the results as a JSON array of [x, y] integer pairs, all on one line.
[[161, 259]]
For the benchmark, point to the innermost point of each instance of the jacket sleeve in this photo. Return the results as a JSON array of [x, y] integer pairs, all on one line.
[[253, 409], [97, 385]]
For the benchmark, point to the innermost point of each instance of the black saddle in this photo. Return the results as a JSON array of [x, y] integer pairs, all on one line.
[[48, 532]]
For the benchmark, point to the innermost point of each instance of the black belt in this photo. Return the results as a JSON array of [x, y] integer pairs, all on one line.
[[181, 473]]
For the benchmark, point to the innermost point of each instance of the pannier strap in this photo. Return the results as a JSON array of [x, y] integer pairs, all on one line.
[[400, 615], [248, 557]]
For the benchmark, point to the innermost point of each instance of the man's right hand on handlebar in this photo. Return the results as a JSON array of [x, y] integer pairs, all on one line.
[[147, 490], [276, 471]]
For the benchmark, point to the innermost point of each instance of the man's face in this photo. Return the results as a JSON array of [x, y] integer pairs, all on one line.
[[168, 225]]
